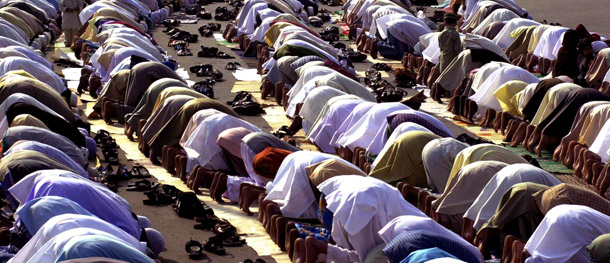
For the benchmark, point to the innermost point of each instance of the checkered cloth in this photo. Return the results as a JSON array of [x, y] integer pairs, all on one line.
[[401, 246], [570, 194], [421, 118]]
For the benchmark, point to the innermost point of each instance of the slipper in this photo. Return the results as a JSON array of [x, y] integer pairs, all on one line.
[[194, 250], [142, 171], [231, 66], [221, 54]]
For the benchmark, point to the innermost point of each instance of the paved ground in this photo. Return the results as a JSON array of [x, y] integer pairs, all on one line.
[[591, 13]]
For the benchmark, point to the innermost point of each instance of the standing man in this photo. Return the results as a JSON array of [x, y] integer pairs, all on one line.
[[449, 41], [70, 20]]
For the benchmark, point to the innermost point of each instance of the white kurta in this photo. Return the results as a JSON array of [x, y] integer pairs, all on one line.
[[291, 188], [324, 128], [313, 104], [43, 74], [201, 147], [40, 248], [601, 144], [363, 133], [299, 90], [495, 16], [503, 38], [484, 96], [358, 112], [486, 203], [564, 234], [360, 209], [548, 40]]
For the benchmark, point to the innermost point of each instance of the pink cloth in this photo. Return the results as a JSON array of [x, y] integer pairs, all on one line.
[[230, 140]]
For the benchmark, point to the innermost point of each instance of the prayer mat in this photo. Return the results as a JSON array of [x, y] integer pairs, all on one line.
[[249, 86], [221, 41], [546, 161], [485, 133]]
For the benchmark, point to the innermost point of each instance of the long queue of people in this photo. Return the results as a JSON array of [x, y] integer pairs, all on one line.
[[56, 208]]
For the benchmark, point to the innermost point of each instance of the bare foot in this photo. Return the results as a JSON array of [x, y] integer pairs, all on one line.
[[519, 135], [313, 249], [299, 251]]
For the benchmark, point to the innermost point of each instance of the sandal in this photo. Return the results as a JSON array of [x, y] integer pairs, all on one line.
[[214, 245], [102, 135], [197, 68], [221, 54], [194, 249], [184, 52], [142, 185], [142, 171]]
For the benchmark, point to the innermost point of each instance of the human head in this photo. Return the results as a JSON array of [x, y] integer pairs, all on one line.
[[450, 19], [156, 243]]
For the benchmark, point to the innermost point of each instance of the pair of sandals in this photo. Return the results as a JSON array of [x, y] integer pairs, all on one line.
[[185, 36], [156, 198], [382, 67], [224, 14], [141, 185], [110, 151], [212, 52], [183, 52], [204, 15], [258, 260], [232, 66], [171, 23]]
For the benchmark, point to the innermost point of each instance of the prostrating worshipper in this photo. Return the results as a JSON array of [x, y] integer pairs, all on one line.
[[314, 103], [401, 36], [17, 165], [17, 98], [20, 190], [409, 223], [291, 189], [329, 120], [38, 248], [101, 246], [484, 152], [15, 134], [356, 210], [399, 131], [146, 104], [550, 131], [407, 242], [89, 197], [515, 215], [598, 249], [46, 75], [172, 130], [363, 132], [402, 162], [462, 191], [567, 56], [141, 76], [563, 152], [565, 233], [598, 69], [70, 22], [202, 149], [437, 157], [505, 37], [252, 145], [484, 207], [426, 120]]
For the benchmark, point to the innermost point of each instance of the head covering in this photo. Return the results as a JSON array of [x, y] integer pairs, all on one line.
[[484, 207], [578, 224], [267, 162], [484, 152], [101, 246], [437, 157], [425, 255], [259, 141], [402, 161], [426, 120], [155, 240], [572, 195], [144, 222], [28, 120], [506, 92], [322, 171], [231, 139], [408, 242], [599, 249]]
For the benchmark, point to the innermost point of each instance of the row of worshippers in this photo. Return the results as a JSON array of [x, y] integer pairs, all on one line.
[[60, 210], [483, 186], [30, 23], [112, 38]]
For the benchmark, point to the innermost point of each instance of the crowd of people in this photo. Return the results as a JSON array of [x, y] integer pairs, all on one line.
[[389, 182], [55, 207]]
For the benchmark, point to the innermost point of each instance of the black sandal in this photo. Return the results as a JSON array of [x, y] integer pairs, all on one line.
[[221, 54], [214, 245], [194, 250]]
